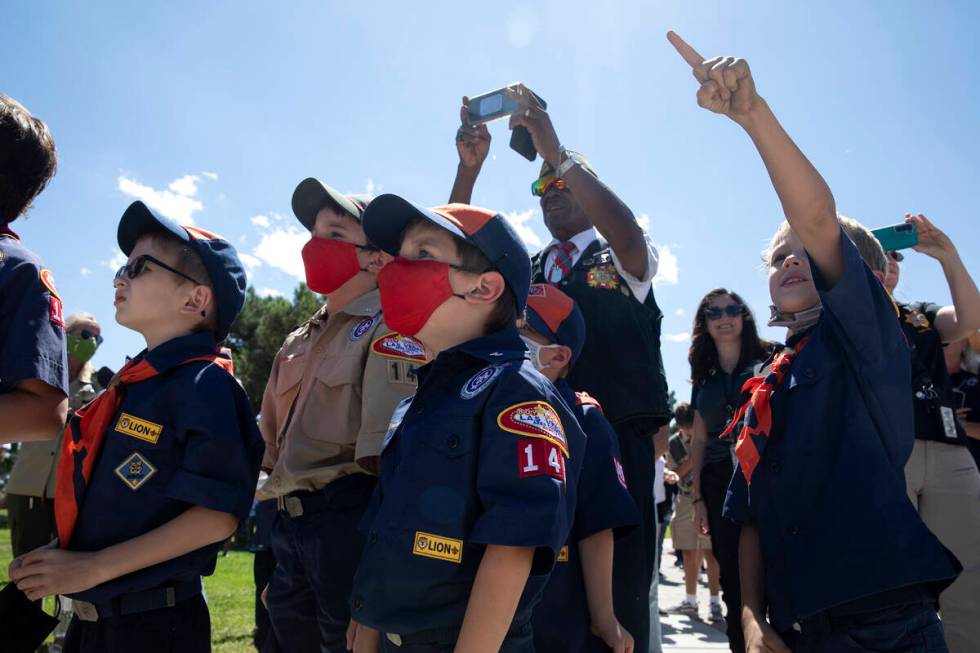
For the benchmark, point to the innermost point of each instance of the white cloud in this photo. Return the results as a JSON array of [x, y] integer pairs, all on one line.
[[177, 202], [644, 221], [269, 292], [667, 270], [371, 188], [260, 221], [281, 249], [683, 336], [679, 312], [85, 272], [213, 176], [249, 261], [117, 261], [519, 221]]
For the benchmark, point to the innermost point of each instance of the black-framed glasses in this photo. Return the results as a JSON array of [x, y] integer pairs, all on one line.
[[135, 268], [85, 334], [715, 313]]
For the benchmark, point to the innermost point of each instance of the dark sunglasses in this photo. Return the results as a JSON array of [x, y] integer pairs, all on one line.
[[135, 268], [898, 257], [715, 313], [541, 185], [85, 334]]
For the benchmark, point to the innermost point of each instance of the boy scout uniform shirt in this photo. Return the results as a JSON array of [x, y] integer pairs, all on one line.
[[186, 437], [485, 453], [333, 387], [32, 327], [561, 620], [828, 495]]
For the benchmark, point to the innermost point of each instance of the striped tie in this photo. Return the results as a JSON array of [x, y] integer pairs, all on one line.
[[561, 262]]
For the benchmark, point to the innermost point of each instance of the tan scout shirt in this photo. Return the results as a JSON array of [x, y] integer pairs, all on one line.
[[33, 474], [329, 399]]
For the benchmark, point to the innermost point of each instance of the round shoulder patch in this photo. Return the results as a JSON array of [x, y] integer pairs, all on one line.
[[534, 419], [479, 381], [47, 278], [362, 327], [395, 345]]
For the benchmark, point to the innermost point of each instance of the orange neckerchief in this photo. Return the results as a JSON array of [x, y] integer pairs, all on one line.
[[84, 436], [755, 414]]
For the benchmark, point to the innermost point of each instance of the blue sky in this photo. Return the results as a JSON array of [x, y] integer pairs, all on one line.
[[214, 111]]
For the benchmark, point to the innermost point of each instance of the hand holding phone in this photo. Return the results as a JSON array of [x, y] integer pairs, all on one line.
[[506, 101], [897, 236]]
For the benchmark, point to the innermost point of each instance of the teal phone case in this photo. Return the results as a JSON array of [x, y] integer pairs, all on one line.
[[897, 236]]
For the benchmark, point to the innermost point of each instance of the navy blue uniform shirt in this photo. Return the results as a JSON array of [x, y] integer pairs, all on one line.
[[186, 437], [32, 329], [828, 496], [561, 620], [485, 453]]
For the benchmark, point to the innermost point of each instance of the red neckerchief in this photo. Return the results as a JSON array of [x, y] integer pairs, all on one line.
[[7, 231], [755, 414], [84, 437]]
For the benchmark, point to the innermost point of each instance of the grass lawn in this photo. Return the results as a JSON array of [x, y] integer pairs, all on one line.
[[230, 593]]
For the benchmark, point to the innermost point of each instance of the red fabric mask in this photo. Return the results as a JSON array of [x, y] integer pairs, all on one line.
[[329, 264], [411, 291]]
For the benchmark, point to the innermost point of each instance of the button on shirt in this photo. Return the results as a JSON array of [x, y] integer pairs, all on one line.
[[834, 462], [640, 286], [329, 399], [485, 453], [186, 437], [32, 332]]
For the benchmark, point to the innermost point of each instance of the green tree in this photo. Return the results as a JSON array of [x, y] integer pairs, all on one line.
[[260, 331]]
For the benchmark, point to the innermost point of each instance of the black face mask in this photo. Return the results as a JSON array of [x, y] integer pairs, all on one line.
[[26, 625]]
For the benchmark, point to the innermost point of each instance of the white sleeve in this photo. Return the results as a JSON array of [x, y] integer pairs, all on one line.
[[640, 287]]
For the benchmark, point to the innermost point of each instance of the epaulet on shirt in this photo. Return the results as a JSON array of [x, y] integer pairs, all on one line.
[[585, 399], [398, 346]]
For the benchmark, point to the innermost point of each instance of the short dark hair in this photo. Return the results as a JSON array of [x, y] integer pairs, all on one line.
[[190, 263], [28, 158], [471, 259], [684, 414]]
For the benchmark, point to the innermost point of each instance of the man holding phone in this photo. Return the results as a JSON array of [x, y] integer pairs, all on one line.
[[941, 478], [603, 259]]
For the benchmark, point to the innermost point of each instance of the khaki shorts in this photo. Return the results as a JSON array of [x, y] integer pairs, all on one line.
[[683, 532]]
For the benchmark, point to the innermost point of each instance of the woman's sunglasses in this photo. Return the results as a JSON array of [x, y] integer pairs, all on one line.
[[898, 257], [136, 267], [715, 313], [541, 185], [85, 334]]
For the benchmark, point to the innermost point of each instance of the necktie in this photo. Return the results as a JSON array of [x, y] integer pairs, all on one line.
[[561, 262]]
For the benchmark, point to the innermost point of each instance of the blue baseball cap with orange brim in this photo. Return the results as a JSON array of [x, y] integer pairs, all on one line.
[[387, 216], [557, 317], [225, 270]]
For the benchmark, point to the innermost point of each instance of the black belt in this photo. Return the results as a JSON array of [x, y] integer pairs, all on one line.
[[848, 614], [136, 602], [346, 491]]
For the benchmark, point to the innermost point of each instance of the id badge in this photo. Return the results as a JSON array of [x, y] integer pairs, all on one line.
[[949, 422]]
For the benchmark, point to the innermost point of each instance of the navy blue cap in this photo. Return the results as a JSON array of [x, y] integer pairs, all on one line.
[[220, 258], [387, 216], [557, 317]]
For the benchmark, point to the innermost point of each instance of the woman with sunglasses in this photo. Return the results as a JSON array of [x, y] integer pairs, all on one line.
[[30, 490], [725, 348]]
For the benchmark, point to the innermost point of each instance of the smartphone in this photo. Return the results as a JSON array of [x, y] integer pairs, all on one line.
[[898, 236], [499, 104]]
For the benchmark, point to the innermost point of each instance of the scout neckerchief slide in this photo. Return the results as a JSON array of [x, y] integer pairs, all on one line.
[[85, 433], [755, 414]]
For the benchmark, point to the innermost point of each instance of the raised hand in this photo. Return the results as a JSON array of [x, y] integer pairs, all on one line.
[[727, 86], [537, 121], [472, 141], [932, 241]]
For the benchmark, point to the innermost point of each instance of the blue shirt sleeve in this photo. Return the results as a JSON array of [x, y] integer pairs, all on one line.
[[603, 498], [736, 505], [31, 327], [222, 447]]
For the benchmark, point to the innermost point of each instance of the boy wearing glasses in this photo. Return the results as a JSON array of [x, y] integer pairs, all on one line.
[[333, 387], [33, 366], [159, 469]]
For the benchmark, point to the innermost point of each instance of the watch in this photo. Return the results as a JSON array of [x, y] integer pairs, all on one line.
[[571, 159]]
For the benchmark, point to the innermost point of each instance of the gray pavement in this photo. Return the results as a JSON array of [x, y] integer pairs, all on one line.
[[682, 634]]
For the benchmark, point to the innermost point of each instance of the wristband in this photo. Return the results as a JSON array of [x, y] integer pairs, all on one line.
[[565, 166]]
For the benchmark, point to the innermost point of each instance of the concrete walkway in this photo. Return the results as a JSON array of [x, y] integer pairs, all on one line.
[[682, 634]]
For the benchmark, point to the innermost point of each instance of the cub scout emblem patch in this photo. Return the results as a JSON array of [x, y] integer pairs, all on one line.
[[438, 547], [562, 554], [48, 280], [603, 276], [362, 327], [138, 428], [395, 345], [535, 419], [479, 381], [917, 320], [135, 471]]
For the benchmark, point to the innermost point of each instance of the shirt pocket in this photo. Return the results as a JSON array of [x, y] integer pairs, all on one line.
[[290, 374], [331, 412]]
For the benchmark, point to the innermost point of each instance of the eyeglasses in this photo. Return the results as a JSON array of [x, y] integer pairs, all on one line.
[[541, 185], [85, 334], [715, 313], [138, 265], [898, 257]]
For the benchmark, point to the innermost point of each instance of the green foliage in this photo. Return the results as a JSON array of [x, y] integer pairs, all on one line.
[[259, 333]]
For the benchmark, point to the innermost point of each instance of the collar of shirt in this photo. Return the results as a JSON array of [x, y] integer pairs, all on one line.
[[581, 240], [177, 350], [565, 392], [7, 231], [367, 305]]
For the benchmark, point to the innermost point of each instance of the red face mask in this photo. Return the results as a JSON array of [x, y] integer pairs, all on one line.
[[411, 291], [329, 264]]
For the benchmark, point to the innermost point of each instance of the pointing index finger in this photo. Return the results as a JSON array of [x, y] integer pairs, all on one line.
[[691, 56]]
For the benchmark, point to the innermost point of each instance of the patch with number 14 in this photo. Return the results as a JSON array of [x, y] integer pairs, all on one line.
[[539, 458]]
